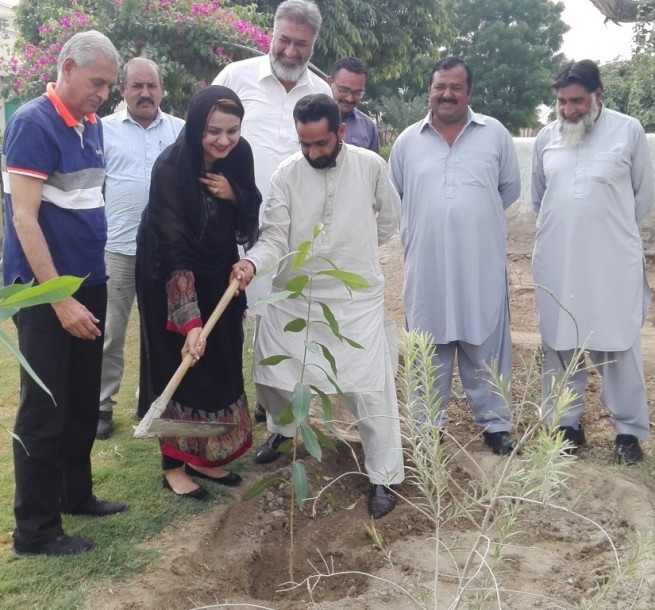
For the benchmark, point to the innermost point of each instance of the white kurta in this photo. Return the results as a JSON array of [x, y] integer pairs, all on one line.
[[359, 208], [453, 226], [268, 123], [589, 200]]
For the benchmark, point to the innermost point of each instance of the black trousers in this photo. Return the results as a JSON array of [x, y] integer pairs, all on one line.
[[52, 460]]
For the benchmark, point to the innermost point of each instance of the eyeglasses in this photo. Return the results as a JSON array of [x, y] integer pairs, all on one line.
[[358, 95]]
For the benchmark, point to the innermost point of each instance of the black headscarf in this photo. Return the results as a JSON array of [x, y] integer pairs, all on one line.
[[183, 225]]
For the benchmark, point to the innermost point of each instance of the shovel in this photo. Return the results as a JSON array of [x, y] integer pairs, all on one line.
[[152, 425]]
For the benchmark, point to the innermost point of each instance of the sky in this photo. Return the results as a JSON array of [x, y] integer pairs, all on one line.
[[591, 38]]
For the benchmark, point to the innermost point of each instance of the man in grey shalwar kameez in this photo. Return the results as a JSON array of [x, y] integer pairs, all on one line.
[[592, 183], [457, 172]]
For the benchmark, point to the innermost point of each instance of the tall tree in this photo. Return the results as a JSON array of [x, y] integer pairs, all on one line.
[[512, 47]]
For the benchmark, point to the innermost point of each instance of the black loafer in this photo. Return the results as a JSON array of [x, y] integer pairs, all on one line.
[[105, 425], [381, 501], [98, 508], [60, 546], [268, 451], [627, 450], [259, 414], [575, 436], [196, 494], [231, 479], [501, 443]]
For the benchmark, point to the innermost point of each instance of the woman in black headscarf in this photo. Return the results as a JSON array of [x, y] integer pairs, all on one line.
[[203, 202]]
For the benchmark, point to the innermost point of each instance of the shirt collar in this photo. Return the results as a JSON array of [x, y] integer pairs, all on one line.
[[126, 116], [472, 117], [61, 109]]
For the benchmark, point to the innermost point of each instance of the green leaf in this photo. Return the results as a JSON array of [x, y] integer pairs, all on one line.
[[351, 280], [300, 483], [327, 412], [351, 342], [311, 441], [330, 319], [259, 487], [296, 326], [275, 297], [318, 229], [297, 284], [49, 292], [273, 360], [286, 416], [325, 440], [16, 352], [327, 354], [301, 401], [301, 255]]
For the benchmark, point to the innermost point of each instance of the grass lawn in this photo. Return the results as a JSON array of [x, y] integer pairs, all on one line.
[[124, 469]]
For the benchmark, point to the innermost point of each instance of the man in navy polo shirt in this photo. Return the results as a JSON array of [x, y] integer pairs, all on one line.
[[53, 170]]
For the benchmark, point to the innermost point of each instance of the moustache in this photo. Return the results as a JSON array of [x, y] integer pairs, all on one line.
[[145, 100]]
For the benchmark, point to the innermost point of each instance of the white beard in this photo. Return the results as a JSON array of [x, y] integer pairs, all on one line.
[[287, 75], [573, 133]]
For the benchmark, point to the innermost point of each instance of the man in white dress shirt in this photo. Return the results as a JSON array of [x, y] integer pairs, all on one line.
[[592, 183], [133, 138], [457, 172], [347, 190], [269, 87]]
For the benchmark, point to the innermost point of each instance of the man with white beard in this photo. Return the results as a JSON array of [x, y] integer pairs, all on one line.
[[592, 183]]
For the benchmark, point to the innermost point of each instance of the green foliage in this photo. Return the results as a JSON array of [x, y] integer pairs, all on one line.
[[189, 40], [18, 296], [398, 112], [630, 88], [512, 48], [300, 286]]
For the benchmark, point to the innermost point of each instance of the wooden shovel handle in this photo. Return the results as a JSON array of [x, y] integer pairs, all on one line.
[[177, 377]]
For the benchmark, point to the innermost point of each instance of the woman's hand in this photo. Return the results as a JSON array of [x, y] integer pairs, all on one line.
[[194, 345], [219, 186], [243, 271]]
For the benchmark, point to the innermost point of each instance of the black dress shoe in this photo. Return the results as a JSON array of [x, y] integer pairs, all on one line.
[[98, 508], [60, 546], [105, 425], [627, 450], [196, 494], [268, 451], [501, 443], [259, 414], [575, 436], [381, 501], [231, 479]]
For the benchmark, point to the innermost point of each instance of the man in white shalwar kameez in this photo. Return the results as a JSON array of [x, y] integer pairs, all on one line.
[[347, 190], [592, 183], [457, 172]]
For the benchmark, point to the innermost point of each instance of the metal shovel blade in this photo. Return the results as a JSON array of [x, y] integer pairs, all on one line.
[[170, 427]]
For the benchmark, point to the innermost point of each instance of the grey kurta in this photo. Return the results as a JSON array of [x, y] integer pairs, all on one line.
[[453, 226], [359, 209], [588, 251]]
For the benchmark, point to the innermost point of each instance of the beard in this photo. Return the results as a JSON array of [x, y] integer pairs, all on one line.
[[326, 160], [573, 133], [287, 75]]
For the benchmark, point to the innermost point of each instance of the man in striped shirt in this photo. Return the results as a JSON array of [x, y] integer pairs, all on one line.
[[53, 171]]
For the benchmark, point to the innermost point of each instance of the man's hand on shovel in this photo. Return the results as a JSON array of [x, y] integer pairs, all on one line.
[[194, 345], [243, 271]]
